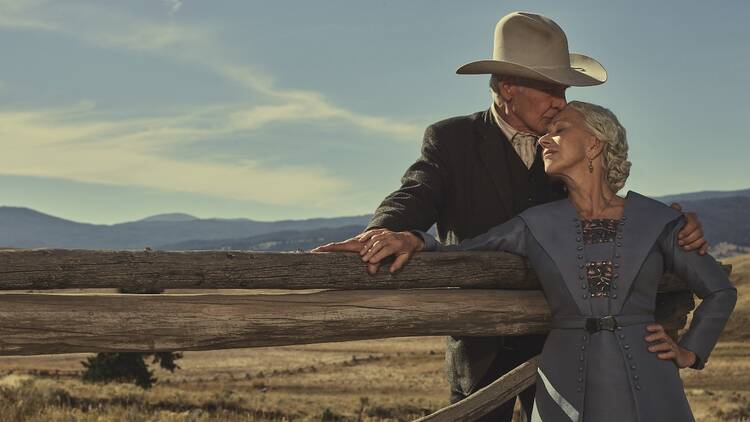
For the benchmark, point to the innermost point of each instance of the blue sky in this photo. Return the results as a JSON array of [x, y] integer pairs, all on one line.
[[115, 110]]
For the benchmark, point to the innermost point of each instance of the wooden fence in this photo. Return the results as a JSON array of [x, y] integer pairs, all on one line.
[[329, 297]]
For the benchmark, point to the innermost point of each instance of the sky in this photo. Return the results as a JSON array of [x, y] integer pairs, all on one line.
[[112, 111]]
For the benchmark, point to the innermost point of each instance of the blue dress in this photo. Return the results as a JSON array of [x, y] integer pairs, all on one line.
[[600, 281]]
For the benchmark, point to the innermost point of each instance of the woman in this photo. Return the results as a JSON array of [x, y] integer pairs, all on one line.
[[599, 258]]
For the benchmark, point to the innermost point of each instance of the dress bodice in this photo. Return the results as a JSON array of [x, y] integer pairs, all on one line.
[[598, 237]]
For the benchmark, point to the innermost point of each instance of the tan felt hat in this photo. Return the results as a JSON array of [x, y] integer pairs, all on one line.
[[535, 47]]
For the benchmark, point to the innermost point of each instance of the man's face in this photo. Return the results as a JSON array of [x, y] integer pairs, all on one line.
[[535, 104]]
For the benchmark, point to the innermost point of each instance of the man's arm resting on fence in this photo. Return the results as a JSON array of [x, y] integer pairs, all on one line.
[[415, 205], [509, 237]]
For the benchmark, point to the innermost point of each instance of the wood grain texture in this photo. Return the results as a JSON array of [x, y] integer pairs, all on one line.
[[489, 397], [67, 323], [65, 269]]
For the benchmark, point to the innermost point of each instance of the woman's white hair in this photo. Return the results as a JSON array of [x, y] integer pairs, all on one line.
[[605, 126]]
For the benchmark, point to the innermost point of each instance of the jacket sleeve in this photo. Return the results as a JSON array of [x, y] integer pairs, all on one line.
[[708, 281], [508, 237], [416, 204]]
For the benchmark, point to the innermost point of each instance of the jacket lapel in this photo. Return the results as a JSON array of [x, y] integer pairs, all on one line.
[[554, 225], [645, 219], [493, 158]]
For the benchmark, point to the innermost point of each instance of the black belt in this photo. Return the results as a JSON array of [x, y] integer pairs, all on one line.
[[594, 324]]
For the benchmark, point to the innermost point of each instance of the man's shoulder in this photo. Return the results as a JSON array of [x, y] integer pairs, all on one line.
[[457, 130], [456, 122]]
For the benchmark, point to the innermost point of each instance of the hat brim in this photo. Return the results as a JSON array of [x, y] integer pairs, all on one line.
[[583, 71]]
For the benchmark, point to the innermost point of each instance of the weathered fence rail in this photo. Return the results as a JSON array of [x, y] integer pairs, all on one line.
[[501, 296], [459, 293], [82, 269], [42, 323]]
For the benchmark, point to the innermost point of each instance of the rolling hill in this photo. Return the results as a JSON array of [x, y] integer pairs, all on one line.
[[27, 228], [724, 216], [702, 195]]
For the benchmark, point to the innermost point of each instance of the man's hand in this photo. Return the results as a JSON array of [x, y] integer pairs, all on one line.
[[380, 245], [666, 348], [353, 244], [691, 236]]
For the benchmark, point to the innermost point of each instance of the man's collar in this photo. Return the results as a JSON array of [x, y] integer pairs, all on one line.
[[508, 130]]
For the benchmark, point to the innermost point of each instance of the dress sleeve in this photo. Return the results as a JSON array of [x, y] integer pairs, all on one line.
[[509, 237], [708, 281]]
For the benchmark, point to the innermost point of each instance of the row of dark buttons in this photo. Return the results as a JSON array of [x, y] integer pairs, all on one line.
[[631, 365], [582, 359]]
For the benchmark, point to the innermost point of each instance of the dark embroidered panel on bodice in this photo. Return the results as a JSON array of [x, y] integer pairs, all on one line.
[[599, 231], [599, 275]]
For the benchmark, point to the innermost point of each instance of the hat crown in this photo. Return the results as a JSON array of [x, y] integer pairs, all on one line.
[[534, 47], [530, 40]]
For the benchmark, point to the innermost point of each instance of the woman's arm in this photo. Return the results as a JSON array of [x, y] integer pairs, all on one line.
[[509, 236], [708, 281]]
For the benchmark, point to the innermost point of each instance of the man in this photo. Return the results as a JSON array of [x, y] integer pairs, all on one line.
[[481, 170]]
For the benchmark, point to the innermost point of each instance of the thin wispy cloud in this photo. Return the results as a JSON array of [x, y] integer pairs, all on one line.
[[198, 46], [87, 147], [55, 142], [174, 6], [19, 14]]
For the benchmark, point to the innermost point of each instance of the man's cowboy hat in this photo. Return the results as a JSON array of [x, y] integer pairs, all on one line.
[[535, 47]]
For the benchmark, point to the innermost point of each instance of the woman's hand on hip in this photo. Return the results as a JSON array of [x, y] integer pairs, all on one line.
[[380, 244], [666, 348]]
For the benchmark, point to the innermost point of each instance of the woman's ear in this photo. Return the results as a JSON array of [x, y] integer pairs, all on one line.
[[596, 147]]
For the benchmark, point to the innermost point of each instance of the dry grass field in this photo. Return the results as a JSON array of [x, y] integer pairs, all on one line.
[[374, 380]]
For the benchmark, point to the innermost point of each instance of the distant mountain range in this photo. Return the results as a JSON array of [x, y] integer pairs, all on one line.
[[706, 194], [291, 240], [725, 219], [724, 216], [26, 228]]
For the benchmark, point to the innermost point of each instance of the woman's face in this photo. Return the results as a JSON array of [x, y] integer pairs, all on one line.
[[565, 145]]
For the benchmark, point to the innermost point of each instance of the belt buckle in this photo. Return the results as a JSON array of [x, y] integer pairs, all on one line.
[[608, 323], [604, 323]]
